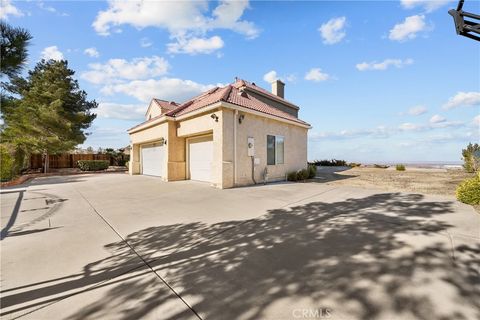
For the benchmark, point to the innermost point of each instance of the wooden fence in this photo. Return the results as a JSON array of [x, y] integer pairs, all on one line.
[[58, 161]]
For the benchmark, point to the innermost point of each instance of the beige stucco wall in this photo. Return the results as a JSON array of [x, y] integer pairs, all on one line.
[[295, 148], [224, 167], [203, 124], [153, 110], [176, 154]]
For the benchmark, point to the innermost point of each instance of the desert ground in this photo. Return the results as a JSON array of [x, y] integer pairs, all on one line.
[[418, 180], [413, 180]]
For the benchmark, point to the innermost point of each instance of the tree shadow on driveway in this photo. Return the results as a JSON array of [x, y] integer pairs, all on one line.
[[382, 256]]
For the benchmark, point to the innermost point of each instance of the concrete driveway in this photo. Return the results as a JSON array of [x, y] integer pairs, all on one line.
[[118, 247]]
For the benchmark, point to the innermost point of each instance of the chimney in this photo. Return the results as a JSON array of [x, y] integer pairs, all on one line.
[[278, 88]]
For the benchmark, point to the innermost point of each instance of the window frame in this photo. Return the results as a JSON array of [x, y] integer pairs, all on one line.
[[275, 149]]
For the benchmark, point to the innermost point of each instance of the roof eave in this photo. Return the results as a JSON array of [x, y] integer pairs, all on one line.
[[149, 123]]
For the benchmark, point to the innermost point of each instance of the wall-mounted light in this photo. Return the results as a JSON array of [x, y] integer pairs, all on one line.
[[240, 118], [214, 117]]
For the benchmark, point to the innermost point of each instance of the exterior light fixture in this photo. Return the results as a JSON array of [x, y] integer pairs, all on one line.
[[240, 118], [214, 117]]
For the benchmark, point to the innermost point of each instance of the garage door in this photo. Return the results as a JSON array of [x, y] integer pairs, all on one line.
[[200, 151], [153, 157]]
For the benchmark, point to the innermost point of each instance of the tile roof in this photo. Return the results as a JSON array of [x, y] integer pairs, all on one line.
[[252, 86], [165, 105], [231, 93], [234, 94]]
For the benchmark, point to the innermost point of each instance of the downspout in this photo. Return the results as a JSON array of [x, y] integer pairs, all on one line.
[[235, 116]]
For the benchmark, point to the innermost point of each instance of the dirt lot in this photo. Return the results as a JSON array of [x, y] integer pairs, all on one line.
[[417, 180]]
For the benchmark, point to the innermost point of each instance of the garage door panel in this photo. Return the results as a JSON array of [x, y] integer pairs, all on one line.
[[201, 159], [153, 157]]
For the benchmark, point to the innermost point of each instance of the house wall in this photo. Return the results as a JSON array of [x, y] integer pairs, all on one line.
[[223, 167], [176, 154], [153, 111], [295, 152], [205, 125]]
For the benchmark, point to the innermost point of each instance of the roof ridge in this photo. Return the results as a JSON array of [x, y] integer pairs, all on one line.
[[225, 95]]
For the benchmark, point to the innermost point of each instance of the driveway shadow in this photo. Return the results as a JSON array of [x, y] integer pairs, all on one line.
[[382, 256]]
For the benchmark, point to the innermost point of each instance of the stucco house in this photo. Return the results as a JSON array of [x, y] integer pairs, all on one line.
[[229, 136]]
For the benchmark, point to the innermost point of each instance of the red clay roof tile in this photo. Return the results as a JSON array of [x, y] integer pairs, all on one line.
[[233, 94]]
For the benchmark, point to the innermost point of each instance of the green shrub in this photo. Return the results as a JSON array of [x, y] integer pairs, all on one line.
[[302, 174], [93, 165], [400, 167], [471, 157], [330, 163], [292, 176], [6, 164], [469, 191], [354, 164], [312, 171]]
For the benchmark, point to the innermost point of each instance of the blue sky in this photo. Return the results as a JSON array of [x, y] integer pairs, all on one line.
[[379, 81]]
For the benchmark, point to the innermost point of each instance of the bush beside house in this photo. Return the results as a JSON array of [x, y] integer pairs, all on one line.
[[93, 165], [469, 191], [301, 175]]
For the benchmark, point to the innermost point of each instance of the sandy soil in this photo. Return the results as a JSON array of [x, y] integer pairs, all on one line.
[[416, 180]]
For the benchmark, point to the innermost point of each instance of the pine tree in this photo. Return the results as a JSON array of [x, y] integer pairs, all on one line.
[[13, 43], [52, 112]]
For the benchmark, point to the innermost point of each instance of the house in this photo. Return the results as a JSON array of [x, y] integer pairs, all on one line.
[[235, 135]]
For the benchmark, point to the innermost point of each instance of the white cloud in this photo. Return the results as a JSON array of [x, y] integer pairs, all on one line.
[[179, 17], [407, 126], [51, 9], [333, 31], [166, 88], [120, 111], [116, 70], [145, 42], [8, 9], [270, 76], [52, 53], [437, 119], [92, 52], [316, 74], [384, 65], [463, 99], [378, 132], [476, 120], [417, 110], [442, 123], [195, 45], [428, 5], [408, 29]]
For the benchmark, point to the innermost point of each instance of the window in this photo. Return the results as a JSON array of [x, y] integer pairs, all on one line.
[[275, 150]]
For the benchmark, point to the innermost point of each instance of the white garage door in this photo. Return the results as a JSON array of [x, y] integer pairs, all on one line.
[[200, 158], [153, 157]]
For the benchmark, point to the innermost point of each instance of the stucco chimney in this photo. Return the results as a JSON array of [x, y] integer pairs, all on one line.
[[278, 88]]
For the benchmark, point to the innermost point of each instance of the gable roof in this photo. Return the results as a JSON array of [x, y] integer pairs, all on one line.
[[235, 94], [168, 105], [239, 83]]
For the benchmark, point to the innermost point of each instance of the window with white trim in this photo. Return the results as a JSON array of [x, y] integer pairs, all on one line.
[[275, 149]]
